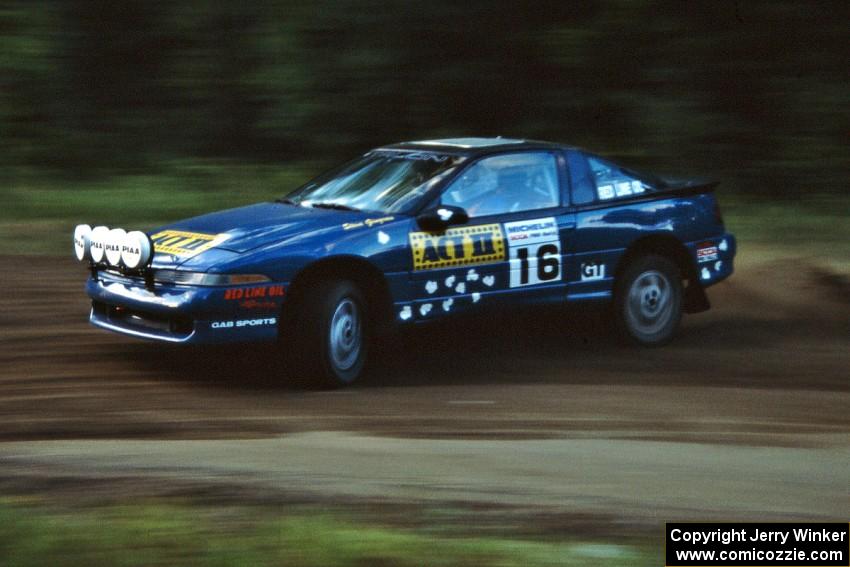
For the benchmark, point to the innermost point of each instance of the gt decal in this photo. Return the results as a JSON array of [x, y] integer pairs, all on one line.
[[535, 251], [481, 244], [185, 244], [591, 271]]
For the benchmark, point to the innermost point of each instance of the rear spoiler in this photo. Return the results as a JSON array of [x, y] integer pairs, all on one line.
[[687, 186]]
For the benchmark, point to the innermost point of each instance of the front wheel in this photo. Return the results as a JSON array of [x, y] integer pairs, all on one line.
[[331, 334], [648, 300]]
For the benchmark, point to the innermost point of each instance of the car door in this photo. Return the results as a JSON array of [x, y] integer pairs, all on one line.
[[512, 247]]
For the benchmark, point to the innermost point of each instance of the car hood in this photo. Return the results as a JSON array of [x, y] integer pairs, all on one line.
[[244, 229]]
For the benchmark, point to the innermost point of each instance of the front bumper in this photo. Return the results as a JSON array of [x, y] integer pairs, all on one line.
[[185, 314]]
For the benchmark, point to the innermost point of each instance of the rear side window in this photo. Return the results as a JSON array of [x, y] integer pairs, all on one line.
[[613, 182]]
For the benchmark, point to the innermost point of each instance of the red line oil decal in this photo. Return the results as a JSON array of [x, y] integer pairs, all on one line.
[[270, 291]]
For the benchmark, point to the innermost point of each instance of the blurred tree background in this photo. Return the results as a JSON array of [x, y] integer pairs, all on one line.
[[752, 93]]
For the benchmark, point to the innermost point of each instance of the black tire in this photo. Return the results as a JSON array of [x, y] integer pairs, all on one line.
[[329, 335], [648, 300]]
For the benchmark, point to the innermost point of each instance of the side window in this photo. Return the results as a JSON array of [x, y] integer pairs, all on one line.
[[612, 182], [506, 184]]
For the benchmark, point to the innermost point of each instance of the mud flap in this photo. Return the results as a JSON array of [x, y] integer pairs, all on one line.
[[696, 300]]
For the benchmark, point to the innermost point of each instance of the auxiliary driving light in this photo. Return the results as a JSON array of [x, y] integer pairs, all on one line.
[[136, 249], [98, 243], [114, 240], [82, 241]]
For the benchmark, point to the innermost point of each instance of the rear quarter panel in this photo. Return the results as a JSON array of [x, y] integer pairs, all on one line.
[[604, 234]]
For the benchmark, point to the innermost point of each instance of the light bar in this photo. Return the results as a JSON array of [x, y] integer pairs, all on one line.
[[116, 247]]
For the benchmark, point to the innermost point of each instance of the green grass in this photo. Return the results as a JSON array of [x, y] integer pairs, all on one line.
[[38, 214], [151, 535], [816, 229]]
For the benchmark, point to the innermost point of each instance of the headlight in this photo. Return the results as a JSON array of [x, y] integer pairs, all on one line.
[[82, 241], [199, 278], [98, 243]]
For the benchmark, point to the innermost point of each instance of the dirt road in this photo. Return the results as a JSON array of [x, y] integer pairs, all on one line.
[[744, 415]]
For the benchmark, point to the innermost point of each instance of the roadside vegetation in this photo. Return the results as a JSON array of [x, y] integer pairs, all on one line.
[[814, 229], [138, 115], [38, 212], [181, 534]]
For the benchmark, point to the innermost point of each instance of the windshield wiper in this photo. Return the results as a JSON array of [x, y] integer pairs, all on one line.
[[286, 201], [335, 206]]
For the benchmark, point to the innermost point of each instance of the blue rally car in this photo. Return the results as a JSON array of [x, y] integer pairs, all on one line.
[[415, 232]]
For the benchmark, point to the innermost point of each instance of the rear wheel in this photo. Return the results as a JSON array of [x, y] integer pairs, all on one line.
[[648, 300], [331, 335]]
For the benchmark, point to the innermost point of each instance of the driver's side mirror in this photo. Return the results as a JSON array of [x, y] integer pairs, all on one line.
[[442, 217]]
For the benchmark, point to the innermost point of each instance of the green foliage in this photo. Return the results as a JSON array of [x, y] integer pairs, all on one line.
[[191, 106], [752, 93], [150, 535]]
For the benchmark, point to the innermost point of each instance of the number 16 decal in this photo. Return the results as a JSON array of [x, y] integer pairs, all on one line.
[[535, 264], [535, 251]]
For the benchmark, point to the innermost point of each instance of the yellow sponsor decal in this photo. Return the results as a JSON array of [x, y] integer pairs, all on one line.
[[180, 243], [481, 244]]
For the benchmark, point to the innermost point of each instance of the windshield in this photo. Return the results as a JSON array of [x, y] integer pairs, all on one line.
[[383, 180]]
